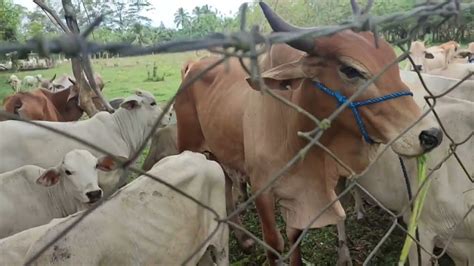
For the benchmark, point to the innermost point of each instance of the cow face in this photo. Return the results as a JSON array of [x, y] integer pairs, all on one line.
[[343, 62], [143, 105], [79, 174], [419, 55]]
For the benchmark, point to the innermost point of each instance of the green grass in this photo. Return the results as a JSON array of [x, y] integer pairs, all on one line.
[[319, 246], [122, 75]]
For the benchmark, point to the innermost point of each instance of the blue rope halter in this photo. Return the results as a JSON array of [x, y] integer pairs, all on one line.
[[341, 99]]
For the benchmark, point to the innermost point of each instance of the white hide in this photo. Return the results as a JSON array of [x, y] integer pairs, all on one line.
[[451, 193], [438, 85], [455, 71], [28, 196], [147, 223], [120, 134], [13, 249]]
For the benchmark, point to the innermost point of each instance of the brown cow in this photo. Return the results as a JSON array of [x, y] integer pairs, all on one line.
[[41, 104], [257, 135], [61, 104]]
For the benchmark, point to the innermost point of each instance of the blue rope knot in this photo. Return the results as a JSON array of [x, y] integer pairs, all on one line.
[[341, 99]]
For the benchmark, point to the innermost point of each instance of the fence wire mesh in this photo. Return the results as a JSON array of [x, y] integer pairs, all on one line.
[[251, 45]]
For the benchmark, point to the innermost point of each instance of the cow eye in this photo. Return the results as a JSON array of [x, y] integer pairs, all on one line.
[[351, 72], [68, 172], [153, 104]]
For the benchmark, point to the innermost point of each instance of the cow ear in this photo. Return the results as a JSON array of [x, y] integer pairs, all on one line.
[[131, 102], [49, 178], [73, 92], [429, 55], [280, 77], [107, 163]]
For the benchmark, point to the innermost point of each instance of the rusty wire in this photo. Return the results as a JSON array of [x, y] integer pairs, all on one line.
[[250, 45]]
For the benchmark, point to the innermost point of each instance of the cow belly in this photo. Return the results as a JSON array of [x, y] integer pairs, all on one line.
[[222, 130]]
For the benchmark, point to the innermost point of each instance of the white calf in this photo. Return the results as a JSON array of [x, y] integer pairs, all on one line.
[[147, 223], [32, 196]]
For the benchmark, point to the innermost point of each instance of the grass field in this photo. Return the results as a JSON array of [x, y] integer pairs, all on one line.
[[123, 75]]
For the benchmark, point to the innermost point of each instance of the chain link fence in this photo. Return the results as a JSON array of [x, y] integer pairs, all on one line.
[[250, 45]]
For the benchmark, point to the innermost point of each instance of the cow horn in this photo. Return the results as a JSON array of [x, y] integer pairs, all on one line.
[[280, 25]]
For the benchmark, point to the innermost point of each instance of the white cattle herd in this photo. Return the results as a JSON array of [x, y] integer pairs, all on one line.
[[48, 181]]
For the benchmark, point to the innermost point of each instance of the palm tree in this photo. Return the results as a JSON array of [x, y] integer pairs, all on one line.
[[181, 18]]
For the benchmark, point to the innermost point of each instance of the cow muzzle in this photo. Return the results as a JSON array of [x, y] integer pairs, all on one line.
[[418, 68], [430, 139], [94, 196]]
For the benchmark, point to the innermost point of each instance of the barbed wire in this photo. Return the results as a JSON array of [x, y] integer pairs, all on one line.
[[251, 45]]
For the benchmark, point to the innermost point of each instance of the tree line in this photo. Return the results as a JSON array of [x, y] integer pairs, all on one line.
[[125, 20]]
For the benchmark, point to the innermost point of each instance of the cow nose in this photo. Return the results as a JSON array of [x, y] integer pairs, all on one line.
[[94, 195], [418, 67], [430, 138]]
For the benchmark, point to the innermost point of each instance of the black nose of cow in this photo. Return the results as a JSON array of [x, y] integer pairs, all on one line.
[[418, 67], [430, 138], [94, 195]]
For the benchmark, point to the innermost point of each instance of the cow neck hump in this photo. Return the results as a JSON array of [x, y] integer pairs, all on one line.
[[130, 128]]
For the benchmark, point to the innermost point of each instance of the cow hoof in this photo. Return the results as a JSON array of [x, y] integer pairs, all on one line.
[[344, 256]]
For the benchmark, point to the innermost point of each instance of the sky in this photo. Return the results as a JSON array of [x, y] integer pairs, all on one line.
[[164, 9]]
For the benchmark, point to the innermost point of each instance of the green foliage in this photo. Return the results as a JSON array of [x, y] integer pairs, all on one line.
[[202, 21], [10, 19]]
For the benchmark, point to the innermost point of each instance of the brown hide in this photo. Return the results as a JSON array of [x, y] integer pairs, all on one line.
[[256, 134], [41, 104]]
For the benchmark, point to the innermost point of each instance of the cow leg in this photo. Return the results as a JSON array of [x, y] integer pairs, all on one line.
[[293, 235], [427, 242], [245, 242], [343, 254], [359, 203], [266, 211]]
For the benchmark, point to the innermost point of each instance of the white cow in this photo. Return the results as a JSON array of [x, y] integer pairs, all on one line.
[[120, 133], [426, 59], [451, 193], [30, 81], [438, 85], [15, 83], [455, 71], [13, 249], [32, 196], [42, 63], [147, 223]]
